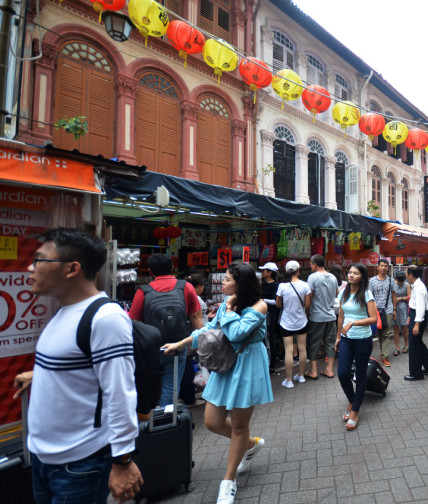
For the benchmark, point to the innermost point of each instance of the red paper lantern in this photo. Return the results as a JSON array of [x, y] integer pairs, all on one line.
[[255, 73], [173, 231], [316, 99], [417, 139], [111, 5], [372, 124], [160, 233], [185, 38]]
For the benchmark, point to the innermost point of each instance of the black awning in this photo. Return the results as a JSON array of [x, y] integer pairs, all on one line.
[[198, 196]]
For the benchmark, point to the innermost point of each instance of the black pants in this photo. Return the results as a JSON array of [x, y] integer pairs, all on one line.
[[273, 335], [187, 387], [418, 351]]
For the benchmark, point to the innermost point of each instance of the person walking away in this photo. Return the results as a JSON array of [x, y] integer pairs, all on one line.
[[293, 297], [187, 387], [400, 323], [354, 340], [418, 316], [167, 305], [322, 319], [232, 395], [384, 292], [269, 288], [75, 456]]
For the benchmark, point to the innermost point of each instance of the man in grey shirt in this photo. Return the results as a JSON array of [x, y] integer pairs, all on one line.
[[322, 319], [383, 289]]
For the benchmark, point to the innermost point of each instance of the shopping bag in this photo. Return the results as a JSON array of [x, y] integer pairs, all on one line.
[[282, 247]]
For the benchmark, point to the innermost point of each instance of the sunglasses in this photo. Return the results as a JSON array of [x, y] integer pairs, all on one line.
[[38, 259]]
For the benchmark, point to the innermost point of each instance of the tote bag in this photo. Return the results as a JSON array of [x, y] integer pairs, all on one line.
[[282, 247]]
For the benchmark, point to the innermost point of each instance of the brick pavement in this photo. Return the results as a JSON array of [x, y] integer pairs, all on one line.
[[309, 457]]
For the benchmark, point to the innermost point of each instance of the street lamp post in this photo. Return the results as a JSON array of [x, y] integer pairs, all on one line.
[[6, 18]]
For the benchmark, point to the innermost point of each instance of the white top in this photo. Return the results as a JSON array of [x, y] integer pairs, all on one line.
[[65, 387], [324, 287], [293, 316], [418, 299]]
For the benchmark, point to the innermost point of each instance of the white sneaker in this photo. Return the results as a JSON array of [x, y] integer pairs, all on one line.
[[227, 492], [287, 384], [298, 378], [249, 454]]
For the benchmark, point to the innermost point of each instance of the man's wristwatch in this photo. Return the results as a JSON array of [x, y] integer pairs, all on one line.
[[124, 459]]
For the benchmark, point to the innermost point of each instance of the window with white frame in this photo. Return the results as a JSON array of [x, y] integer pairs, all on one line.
[[315, 71], [316, 173], [341, 164], [341, 89], [284, 160], [376, 186], [405, 201], [391, 195], [283, 52]]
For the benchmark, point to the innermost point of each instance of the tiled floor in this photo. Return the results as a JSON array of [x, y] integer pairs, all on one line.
[[310, 458]]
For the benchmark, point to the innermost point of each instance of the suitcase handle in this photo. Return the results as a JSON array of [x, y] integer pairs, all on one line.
[[174, 399]]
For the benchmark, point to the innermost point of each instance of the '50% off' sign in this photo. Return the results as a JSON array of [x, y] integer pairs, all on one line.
[[22, 315]]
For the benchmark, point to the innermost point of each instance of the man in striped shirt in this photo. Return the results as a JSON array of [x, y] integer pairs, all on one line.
[[76, 457]]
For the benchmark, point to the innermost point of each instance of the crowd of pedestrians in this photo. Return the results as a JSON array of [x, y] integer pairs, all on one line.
[[326, 310]]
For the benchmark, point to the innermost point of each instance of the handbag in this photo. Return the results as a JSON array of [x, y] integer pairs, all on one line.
[[215, 351], [282, 247], [268, 252], [299, 246]]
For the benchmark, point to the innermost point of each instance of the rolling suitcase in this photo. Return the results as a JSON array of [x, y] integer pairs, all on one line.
[[377, 377], [164, 448]]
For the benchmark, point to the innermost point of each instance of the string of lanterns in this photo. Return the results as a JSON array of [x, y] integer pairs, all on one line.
[[151, 19]]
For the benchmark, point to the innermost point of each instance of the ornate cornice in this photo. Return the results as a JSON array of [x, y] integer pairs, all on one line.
[[239, 17], [267, 137], [238, 127], [126, 85], [190, 109], [267, 35], [249, 106], [49, 53], [332, 160]]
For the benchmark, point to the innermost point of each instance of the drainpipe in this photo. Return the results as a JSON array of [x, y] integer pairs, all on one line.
[[256, 110], [364, 209], [6, 19]]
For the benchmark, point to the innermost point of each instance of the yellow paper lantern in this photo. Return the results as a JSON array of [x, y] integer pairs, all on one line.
[[149, 17], [395, 133], [346, 114], [220, 55], [288, 85]]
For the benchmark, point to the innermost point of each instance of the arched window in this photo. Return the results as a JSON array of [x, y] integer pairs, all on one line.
[[85, 87], [214, 144], [391, 195], [405, 201], [377, 187], [341, 89], [283, 52], [342, 163], [284, 159], [315, 71], [374, 107], [215, 18], [158, 124], [316, 173]]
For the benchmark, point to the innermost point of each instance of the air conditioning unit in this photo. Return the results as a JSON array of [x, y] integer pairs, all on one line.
[[162, 196]]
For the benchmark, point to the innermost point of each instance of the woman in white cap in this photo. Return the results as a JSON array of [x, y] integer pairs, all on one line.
[[293, 297], [269, 289]]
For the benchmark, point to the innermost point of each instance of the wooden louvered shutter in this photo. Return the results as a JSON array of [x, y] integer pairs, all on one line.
[[290, 59], [146, 124], [223, 25], [224, 151], [206, 142], [100, 113], [206, 16], [173, 5], [169, 136], [69, 100], [310, 74]]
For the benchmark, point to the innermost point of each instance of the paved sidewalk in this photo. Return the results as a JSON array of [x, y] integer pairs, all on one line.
[[310, 458]]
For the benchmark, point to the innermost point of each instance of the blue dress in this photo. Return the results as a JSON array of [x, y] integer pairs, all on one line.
[[248, 382]]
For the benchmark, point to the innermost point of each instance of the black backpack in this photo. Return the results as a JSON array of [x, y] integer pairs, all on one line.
[[167, 311], [147, 343]]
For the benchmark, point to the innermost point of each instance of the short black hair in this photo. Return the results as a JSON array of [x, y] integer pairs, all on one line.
[[415, 271], [77, 245], [196, 279], [160, 264], [400, 276], [383, 261], [248, 286], [319, 260]]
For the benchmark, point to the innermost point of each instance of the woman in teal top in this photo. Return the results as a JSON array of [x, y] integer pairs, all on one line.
[[354, 339], [232, 395]]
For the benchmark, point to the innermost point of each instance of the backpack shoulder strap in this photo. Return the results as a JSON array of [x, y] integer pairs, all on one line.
[[181, 284], [146, 288]]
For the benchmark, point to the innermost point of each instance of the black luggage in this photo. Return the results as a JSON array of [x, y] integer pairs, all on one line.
[[164, 448], [377, 378]]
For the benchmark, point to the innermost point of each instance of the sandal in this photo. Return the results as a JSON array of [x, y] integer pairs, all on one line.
[[345, 416], [397, 352], [405, 349], [351, 424]]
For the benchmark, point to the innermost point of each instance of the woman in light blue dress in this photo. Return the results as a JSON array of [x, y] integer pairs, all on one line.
[[232, 395]]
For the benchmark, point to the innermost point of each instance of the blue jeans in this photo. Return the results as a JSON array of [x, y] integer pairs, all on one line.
[[167, 365], [360, 350], [81, 482]]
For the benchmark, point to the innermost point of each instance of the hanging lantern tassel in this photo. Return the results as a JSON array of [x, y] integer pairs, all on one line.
[[253, 88], [183, 55], [98, 7]]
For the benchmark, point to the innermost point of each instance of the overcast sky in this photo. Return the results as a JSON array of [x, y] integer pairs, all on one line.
[[389, 35]]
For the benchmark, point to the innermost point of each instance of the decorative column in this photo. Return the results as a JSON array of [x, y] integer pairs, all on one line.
[[331, 84], [189, 111], [43, 91], [238, 154], [125, 121], [413, 207], [249, 49], [384, 198], [267, 45], [399, 202], [250, 160], [265, 176], [302, 195], [239, 19], [330, 183], [191, 11]]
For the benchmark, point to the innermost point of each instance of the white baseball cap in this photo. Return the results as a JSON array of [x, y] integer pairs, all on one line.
[[270, 266], [292, 266]]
